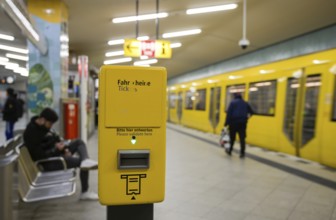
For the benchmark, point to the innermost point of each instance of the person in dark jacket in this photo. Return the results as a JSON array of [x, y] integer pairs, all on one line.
[[10, 113], [42, 143], [237, 116]]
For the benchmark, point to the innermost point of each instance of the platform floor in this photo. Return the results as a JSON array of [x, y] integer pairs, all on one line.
[[203, 183]]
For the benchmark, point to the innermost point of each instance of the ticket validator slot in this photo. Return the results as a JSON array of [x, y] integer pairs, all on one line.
[[133, 159]]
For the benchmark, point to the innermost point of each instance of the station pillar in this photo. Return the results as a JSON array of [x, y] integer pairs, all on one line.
[[47, 81]]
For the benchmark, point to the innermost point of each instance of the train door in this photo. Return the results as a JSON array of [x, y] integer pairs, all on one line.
[[301, 109], [179, 106], [214, 109]]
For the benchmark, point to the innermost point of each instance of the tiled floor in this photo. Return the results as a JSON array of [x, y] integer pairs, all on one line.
[[203, 183]]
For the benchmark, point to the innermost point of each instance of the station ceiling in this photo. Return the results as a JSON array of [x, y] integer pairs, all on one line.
[[268, 22]]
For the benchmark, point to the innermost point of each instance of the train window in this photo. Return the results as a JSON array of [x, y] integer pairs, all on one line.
[[172, 100], [290, 107], [189, 100], [200, 99], [334, 102], [230, 91], [179, 106], [262, 97], [313, 84]]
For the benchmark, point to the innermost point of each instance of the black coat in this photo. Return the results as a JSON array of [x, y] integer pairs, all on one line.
[[40, 141], [10, 111]]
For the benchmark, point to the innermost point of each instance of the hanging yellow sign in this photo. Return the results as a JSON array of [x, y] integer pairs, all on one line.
[[162, 49], [150, 48], [132, 48]]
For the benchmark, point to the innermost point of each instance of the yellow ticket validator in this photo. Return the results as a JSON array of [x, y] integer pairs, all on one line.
[[131, 135]]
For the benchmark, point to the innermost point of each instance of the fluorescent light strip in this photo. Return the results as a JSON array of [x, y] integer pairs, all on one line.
[[121, 60], [143, 38], [116, 42], [4, 59], [175, 45], [24, 20], [122, 41], [64, 38], [211, 9], [145, 62], [114, 53], [143, 57], [17, 57], [21, 70], [13, 49], [140, 17], [6, 37], [8, 64], [11, 66], [181, 33]]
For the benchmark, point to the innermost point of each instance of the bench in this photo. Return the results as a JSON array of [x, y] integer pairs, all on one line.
[[36, 185], [11, 144]]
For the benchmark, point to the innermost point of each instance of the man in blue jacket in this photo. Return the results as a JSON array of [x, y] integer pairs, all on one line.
[[237, 115]]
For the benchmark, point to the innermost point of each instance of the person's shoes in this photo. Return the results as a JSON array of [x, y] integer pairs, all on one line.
[[242, 156], [228, 152], [89, 196], [89, 164]]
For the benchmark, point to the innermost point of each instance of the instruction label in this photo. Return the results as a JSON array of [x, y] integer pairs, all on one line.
[[131, 86], [134, 131]]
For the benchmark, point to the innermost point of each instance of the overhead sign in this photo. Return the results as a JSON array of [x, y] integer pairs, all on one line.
[[132, 48], [162, 49], [150, 48]]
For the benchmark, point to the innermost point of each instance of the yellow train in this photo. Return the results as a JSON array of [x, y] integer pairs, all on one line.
[[294, 102]]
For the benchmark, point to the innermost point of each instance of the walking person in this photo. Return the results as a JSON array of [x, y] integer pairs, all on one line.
[[10, 113], [42, 143], [237, 116]]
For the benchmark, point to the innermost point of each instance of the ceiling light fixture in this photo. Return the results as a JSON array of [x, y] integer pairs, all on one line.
[[114, 53], [121, 60], [21, 70], [4, 59], [140, 17], [6, 37], [13, 49], [175, 45], [17, 57], [211, 9], [181, 33], [143, 38], [122, 41], [145, 62], [24, 20], [11, 66], [144, 57], [116, 42]]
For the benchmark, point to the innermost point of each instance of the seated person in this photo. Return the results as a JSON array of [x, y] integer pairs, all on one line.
[[42, 143]]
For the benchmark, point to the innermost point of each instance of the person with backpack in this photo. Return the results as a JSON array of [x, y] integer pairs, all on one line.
[[10, 113], [20, 105], [237, 116]]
